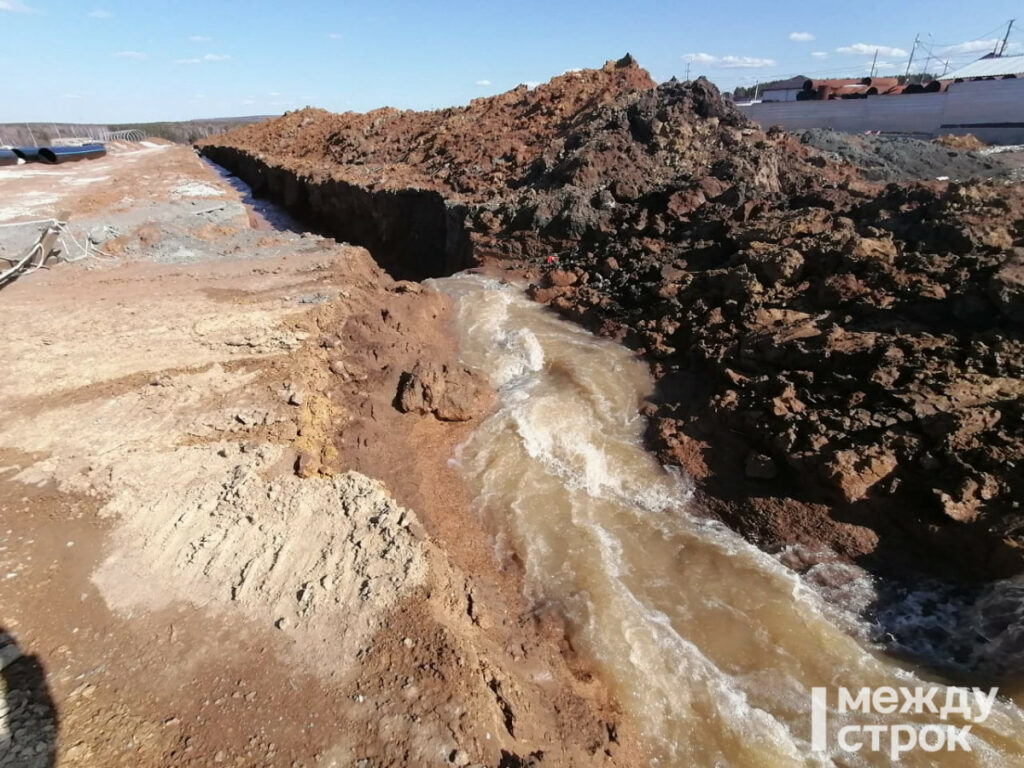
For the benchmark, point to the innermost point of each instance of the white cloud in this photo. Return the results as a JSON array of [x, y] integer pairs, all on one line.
[[801, 37], [531, 84], [865, 49], [130, 55], [482, 82], [207, 57], [730, 62], [99, 13], [973, 46], [273, 94], [14, 7], [819, 54], [701, 58], [200, 39], [333, 36]]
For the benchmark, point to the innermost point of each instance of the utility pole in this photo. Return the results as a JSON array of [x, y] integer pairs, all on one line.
[[873, 63], [929, 59], [1006, 37], [687, 78], [945, 68], [911, 59]]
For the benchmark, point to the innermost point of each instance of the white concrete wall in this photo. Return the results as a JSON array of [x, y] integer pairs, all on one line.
[[783, 95], [993, 110]]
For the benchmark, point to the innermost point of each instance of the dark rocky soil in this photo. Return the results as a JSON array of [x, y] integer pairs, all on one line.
[[903, 158], [840, 363]]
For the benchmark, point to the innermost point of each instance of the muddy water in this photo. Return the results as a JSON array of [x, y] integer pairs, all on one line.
[[711, 645]]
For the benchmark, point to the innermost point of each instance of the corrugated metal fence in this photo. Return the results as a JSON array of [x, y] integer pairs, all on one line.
[[993, 110]]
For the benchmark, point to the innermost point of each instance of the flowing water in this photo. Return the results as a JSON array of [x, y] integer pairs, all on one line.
[[711, 645]]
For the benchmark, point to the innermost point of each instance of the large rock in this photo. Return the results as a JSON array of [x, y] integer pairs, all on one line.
[[1007, 288], [451, 394], [853, 473]]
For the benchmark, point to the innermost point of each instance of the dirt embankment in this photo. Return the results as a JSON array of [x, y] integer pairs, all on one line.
[[839, 363]]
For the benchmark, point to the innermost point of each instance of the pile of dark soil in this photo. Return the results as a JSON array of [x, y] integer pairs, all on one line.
[[903, 158], [840, 364]]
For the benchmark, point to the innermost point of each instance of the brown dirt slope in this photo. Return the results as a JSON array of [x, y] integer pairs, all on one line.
[[469, 150], [839, 362]]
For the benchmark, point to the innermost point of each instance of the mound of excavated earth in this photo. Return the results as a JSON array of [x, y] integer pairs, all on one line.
[[903, 158], [839, 363]]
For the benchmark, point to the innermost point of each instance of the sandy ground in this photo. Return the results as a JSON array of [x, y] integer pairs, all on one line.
[[220, 543]]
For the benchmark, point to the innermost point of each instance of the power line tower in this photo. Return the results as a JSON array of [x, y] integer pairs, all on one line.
[[927, 61], [1006, 37], [911, 59]]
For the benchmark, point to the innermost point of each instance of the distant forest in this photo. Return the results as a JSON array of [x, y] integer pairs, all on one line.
[[183, 132]]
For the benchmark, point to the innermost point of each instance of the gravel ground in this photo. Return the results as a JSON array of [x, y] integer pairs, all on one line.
[[901, 158]]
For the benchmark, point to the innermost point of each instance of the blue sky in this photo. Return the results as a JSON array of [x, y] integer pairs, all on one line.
[[120, 61]]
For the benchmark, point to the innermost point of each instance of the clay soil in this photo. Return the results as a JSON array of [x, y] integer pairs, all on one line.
[[839, 360], [218, 547]]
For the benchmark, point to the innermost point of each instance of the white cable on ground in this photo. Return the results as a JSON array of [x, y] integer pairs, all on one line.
[[26, 265]]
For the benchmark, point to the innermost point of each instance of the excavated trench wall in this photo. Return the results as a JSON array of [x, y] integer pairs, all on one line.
[[413, 234]]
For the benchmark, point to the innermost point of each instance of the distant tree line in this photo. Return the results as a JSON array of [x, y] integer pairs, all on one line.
[[188, 131], [183, 132]]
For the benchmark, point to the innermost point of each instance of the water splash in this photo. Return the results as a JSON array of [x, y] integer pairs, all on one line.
[[710, 644]]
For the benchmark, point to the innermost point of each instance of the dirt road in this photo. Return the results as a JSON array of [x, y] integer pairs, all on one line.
[[189, 568]]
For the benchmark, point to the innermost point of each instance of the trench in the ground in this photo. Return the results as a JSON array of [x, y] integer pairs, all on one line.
[[413, 234], [711, 645]]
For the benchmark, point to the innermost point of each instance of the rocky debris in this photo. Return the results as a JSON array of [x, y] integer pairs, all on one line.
[[1006, 288], [887, 158], [853, 473], [449, 392], [863, 338]]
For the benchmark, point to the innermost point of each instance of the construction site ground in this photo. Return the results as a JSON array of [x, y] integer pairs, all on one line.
[[215, 545]]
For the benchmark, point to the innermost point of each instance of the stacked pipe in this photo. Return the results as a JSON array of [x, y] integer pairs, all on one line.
[[70, 154], [52, 155], [824, 90]]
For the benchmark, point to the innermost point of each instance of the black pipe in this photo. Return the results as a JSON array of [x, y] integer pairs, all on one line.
[[28, 154], [69, 154], [7, 157]]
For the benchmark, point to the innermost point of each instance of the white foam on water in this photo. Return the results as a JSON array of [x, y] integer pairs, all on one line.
[[709, 643]]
